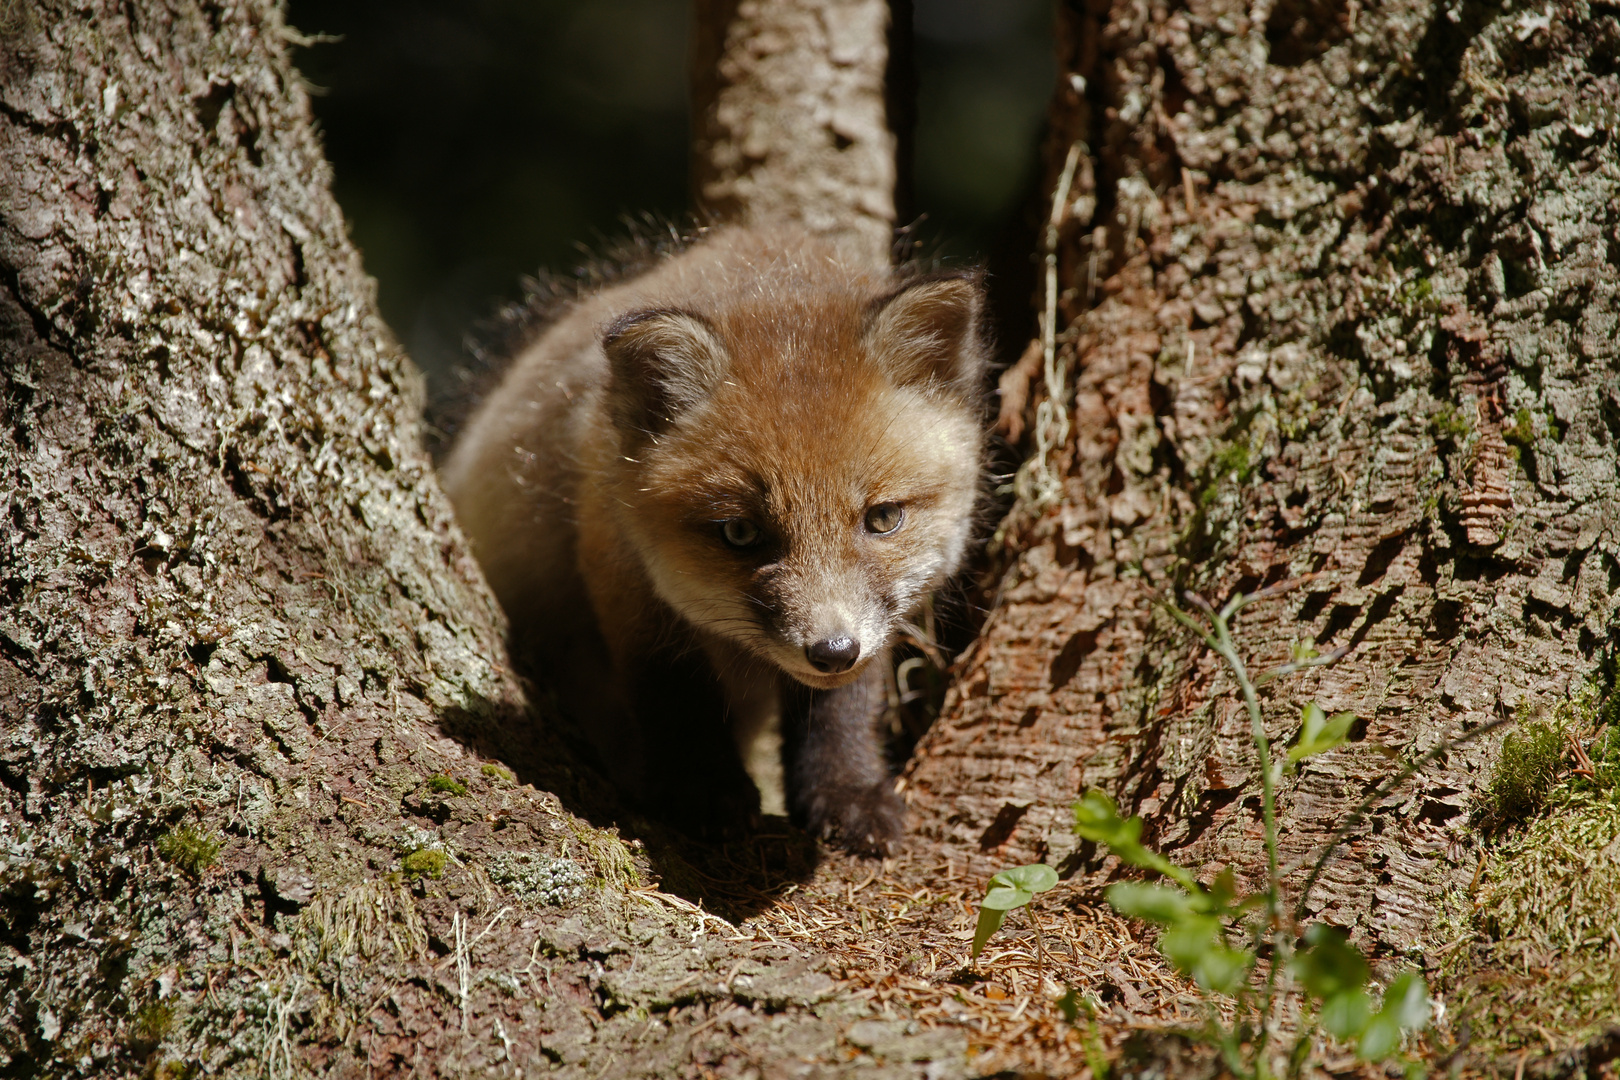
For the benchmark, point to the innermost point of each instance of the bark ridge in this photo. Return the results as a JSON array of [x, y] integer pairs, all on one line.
[[1333, 282]]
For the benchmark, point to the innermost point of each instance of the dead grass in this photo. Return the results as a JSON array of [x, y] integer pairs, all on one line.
[[366, 919]]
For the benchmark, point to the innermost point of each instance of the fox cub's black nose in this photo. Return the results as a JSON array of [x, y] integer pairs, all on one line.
[[834, 655]]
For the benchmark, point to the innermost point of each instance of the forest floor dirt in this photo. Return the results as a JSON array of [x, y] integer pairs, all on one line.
[[897, 934]]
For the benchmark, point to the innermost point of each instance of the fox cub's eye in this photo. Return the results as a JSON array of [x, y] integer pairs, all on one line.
[[885, 517], [740, 532]]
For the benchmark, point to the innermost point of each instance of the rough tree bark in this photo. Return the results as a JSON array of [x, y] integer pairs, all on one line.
[[790, 116], [248, 673], [1338, 291]]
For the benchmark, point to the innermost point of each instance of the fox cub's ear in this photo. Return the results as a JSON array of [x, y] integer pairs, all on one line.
[[662, 363], [928, 332]]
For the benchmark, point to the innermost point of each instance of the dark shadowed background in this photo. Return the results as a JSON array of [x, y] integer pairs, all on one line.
[[475, 141]]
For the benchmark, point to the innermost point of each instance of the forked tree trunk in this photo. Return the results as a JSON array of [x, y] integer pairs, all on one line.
[[239, 629], [1326, 268], [1337, 288]]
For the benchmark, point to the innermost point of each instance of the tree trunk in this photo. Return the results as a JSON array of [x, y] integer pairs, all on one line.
[[240, 630], [1337, 287], [790, 119]]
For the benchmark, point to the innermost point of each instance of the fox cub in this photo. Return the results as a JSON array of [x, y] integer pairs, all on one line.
[[708, 496]]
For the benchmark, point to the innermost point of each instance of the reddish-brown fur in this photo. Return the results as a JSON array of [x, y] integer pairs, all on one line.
[[758, 379]]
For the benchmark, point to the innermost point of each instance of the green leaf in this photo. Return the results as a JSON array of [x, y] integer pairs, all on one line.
[[1329, 964], [989, 923], [1186, 942], [1223, 890], [1345, 1014], [1034, 878], [1223, 969], [1009, 889], [1381, 1038], [1406, 1006], [1156, 903], [1197, 948], [1005, 899], [1407, 1000], [1016, 887], [1070, 1004], [1319, 732], [1097, 819], [1252, 902]]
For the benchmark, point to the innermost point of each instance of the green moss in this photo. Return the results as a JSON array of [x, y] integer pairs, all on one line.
[[1544, 912], [367, 919], [1531, 773], [1530, 760], [1419, 293], [1231, 461], [1521, 434], [1554, 883], [495, 772], [424, 862], [189, 849], [150, 1025], [615, 866], [447, 785], [1450, 422], [1297, 421], [1544, 915]]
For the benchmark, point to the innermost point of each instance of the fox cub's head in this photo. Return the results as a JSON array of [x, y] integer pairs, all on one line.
[[800, 469]]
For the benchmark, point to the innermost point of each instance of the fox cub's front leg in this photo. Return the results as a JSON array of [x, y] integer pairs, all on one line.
[[838, 785]]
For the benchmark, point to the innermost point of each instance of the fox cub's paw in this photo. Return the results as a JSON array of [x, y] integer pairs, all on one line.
[[865, 821]]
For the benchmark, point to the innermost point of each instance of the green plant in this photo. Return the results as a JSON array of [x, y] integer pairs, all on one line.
[[1198, 921], [1450, 422], [189, 849], [1231, 461], [1525, 772], [1521, 434], [1071, 1005], [447, 785], [424, 862], [1008, 890], [1543, 899], [150, 1025], [495, 772], [1419, 293]]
